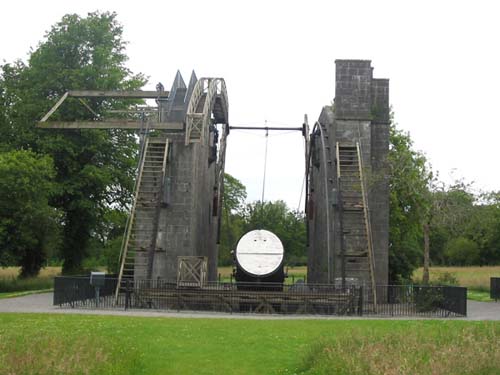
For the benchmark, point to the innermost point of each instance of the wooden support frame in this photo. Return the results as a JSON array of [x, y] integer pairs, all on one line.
[[111, 124], [368, 226], [115, 94], [191, 271], [99, 94]]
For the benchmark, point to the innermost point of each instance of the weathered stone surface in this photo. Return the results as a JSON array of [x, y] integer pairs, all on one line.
[[360, 114]]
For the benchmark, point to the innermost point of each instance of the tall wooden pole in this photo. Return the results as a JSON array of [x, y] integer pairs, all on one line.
[[425, 276]]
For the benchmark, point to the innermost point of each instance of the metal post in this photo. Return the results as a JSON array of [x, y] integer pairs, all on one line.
[[360, 303], [97, 290], [127, 294]]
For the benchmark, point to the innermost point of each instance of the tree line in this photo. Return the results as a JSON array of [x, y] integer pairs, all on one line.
[[239, 218], [65, 194]]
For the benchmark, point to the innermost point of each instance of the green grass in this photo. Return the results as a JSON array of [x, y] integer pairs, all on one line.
[[479, 295], [75, 344], [13, 284], [25, 293]]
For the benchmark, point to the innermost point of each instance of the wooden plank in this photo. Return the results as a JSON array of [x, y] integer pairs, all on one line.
[[117, 94], [109, 125], [53, 109], [371, 256]]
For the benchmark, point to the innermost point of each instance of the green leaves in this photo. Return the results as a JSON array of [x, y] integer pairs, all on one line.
[[238, 219], [94, 169], [409, 202], [28, 225]]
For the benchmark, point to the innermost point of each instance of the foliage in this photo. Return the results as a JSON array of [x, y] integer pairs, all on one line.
[[461, 251], [409, 178], [238, 219], [447, 278], [94, 168], [288, 225], [465, 226], [232, 218], [105, 247], [428, 298], [28, 225]]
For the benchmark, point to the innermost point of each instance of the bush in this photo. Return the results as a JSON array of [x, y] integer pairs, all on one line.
[[461, 251], [428, 298], [112, 255], [446, 278]]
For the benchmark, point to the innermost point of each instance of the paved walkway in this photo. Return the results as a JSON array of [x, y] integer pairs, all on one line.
[[42, 303]]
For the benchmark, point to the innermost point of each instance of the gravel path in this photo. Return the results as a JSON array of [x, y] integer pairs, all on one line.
[[42, 303]]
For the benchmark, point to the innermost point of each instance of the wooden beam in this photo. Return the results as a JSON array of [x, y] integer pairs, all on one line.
[[117, 94], [109, 125], [53, 109]]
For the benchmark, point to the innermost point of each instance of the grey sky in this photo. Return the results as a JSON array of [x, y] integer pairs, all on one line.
[[277, 58]]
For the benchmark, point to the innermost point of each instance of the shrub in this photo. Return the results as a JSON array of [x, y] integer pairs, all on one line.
[[461, 251]]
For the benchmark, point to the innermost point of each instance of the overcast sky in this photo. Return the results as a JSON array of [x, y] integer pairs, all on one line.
[[277, 57]]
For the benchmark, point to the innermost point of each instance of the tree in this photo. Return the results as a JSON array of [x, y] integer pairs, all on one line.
[[449, 211], [232, 217], [288, 225], [462, 251], [408, 205], [28, 225], [94, 168]]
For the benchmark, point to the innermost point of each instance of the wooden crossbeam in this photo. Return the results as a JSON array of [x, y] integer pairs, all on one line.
[[109, 125], [104, 94], [117, 94]]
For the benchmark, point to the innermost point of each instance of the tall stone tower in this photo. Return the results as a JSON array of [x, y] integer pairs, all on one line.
[[348, 234]]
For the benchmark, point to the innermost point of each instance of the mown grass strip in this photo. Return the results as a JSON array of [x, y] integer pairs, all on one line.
[[70, 344], [478, 295]]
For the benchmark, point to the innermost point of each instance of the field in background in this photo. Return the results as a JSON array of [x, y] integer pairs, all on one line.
[[475, 278], [74, 344], [12, 272], [10, 284]]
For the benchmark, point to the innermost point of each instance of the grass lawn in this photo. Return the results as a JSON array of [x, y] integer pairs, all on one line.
[[76, 344]]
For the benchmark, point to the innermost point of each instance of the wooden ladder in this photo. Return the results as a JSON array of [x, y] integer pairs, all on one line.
[[141, 235], [356, 242]]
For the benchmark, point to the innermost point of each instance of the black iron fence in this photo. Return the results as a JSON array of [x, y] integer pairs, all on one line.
[[420, 300], [76, 291], [495, 288], [299, 298]]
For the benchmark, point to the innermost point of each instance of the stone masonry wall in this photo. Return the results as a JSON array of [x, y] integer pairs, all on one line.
[[361, 113]]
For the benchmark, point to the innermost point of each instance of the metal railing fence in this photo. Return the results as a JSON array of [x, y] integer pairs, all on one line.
[[420, 300], [299, 298]]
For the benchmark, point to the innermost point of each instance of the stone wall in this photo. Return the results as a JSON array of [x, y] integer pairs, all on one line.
[[360, 114], [187, 226]]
